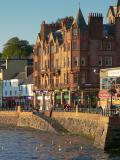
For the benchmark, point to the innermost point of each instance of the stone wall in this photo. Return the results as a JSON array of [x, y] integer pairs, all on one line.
[[105, 131], [8, 118], [81, 123], [28, 119], [113, 133], [24, 119]]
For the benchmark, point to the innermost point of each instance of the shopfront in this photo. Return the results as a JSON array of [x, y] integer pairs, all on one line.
[[109, 87], [62, 97], [44, 100]]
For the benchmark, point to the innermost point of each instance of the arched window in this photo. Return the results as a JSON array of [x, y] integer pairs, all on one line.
[[52, 49], [75, 32], [38, 51]]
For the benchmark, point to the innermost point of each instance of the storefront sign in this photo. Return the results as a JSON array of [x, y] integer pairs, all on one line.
[[58, 97], [113, 73], [30, 98], [66, 96], [104, 94]]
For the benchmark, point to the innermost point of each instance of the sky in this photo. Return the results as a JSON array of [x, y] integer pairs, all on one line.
[[22, 18]]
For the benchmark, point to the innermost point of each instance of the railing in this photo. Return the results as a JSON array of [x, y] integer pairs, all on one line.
[[25, 109], [103, 112], [8, 108]]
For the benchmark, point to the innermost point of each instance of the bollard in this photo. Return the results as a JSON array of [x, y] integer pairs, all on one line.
[[76, 109], [18, 108]]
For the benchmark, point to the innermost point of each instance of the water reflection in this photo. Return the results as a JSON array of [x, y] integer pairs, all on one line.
[[28, 144]]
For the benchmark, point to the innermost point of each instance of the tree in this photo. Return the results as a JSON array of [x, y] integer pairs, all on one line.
[[17, 48], [59, 20], [0, 54]]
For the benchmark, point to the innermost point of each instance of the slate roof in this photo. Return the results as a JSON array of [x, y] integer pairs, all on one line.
[[58, 35], [109, 29], [26, 79], [80, 20]]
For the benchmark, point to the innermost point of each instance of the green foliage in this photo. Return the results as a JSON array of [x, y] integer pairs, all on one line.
[[0, 54], [59, 20], [17, 48]]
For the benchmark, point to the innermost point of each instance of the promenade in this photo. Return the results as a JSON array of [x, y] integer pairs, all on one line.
[[101, 127]]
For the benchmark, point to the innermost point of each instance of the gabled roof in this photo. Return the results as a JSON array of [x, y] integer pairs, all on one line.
[[114, 9], [59, 37], [26, 80], [80, 21], [51, 37]]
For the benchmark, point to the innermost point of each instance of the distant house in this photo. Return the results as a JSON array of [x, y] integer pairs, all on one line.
[[16, 92], [11, 81]]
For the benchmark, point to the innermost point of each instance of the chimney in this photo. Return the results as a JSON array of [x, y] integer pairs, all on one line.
[[95, 25]]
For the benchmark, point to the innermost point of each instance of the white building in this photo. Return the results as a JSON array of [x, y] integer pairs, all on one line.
[[17, 93]]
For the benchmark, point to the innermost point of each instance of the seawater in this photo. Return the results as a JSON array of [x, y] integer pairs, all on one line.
[[29, 144]]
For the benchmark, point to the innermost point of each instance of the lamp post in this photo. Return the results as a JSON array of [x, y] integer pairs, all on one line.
[[1, 92], [98, 85], [77, 99], [112, 91], [20, 93]]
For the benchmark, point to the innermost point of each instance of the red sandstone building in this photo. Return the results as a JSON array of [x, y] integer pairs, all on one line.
[[67, 53]]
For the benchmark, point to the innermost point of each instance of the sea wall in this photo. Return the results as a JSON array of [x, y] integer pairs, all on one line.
[[28, 119], [24, 119], [80, 123], [8, 118], [104, 131]]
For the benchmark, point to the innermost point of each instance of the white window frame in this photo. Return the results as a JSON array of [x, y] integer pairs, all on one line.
[[52, 49], [75, 32], [108, 61], [74, 45], [38, 51]]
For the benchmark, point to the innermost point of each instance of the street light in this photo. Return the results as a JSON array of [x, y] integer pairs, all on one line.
[[20, 93], [112, 90]]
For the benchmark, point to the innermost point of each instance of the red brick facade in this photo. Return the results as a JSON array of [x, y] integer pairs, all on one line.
[[67, 53]]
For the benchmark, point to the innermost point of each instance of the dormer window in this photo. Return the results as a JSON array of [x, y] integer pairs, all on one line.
[[108, 61], [38, 51], [52, 49], [74, 45], [75, 32]]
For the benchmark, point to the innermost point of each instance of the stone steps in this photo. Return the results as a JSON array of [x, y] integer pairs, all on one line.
[[54, 123]]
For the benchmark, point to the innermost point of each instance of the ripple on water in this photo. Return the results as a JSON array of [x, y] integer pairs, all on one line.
[[26, 144]]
